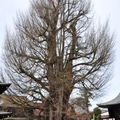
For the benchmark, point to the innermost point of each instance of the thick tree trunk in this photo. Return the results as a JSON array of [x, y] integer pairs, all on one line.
[[57, 104]]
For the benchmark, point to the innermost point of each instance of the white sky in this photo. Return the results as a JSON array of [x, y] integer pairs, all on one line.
[[103, 9]]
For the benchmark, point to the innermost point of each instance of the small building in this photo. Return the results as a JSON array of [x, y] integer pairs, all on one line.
[[18, 105], [113, 107], [105, 116]]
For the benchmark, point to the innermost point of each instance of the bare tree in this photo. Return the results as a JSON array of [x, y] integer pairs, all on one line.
[[53, 49], [89, 89]]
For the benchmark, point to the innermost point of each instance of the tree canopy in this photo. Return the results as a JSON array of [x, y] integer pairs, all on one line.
[[53, 49]]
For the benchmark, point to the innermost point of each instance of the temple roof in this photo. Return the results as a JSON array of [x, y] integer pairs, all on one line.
[[112, 102], [3, 87]]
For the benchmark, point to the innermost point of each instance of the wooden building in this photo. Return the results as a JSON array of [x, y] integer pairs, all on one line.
[[113, 107], [18, 105]]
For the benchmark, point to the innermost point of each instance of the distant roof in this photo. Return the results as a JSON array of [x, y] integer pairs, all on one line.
[[112, 102], [104, 115], [14, 101]]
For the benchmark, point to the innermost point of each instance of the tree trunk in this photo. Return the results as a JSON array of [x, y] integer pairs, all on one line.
[[57, 104]]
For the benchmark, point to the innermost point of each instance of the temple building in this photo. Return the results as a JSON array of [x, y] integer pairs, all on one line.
[[113, 107], [4, 87]]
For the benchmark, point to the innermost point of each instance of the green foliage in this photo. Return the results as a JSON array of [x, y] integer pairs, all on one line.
[[97, 111], [96, 114]]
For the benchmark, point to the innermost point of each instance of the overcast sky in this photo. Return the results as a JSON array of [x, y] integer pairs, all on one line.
[[109, 9], [103, 10]]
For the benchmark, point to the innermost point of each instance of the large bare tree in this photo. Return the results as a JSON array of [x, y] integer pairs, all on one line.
[[54, 48]]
